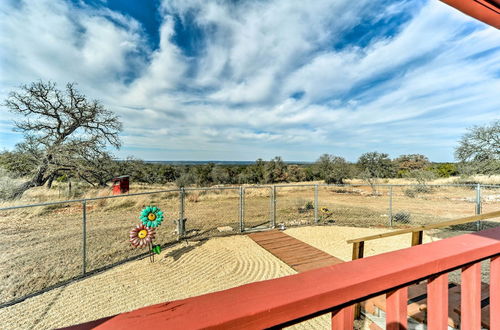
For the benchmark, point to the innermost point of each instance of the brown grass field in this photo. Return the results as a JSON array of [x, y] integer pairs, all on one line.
[[42, 246]]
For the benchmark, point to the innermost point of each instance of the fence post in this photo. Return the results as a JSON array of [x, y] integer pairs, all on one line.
[[273, 207], [478, 205], [390, 205], [316, 204], [84, 237], [180, 223], [242, 202]]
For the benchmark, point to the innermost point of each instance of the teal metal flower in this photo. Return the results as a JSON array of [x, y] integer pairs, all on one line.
[[151, 216]]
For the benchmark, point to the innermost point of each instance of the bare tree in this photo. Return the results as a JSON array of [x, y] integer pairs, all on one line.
[[479, 149], [62, 129]]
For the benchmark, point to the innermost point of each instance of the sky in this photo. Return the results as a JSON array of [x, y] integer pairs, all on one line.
[[241, 80]]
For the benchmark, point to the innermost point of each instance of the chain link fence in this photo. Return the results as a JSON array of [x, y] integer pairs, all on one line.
[[45, 245], [257, 208]]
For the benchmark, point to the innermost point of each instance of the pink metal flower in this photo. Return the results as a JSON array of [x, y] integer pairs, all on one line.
[[141, 236]]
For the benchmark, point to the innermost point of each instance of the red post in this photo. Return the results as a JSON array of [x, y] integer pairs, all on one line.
[[437, 302], [470, 317], [343, 319], [495, 293], [397, 309]]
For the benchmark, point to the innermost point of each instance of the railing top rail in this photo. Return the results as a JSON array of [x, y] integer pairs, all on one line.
[[484, 216], [301, 296]]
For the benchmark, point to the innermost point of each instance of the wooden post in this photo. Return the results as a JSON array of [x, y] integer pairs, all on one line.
[[397, 309], [316, 204], [358, 250], [242, 201], [495, 293], [343, 319], [470, 308], [437, 302], [416, 237]]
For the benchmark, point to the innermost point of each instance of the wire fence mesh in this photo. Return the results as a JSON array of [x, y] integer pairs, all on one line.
[[490, 202], [422, 204], [109, 222], [46, 244], [353, 205], [294, 205], [257, 207], [41, 247], [211, 212]]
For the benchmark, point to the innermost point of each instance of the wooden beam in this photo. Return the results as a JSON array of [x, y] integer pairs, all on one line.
[[482, 10], [483, 216]]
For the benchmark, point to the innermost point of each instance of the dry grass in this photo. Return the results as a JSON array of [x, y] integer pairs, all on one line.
[[42, 246]]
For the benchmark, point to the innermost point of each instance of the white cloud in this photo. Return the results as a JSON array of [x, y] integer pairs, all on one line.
[[415, 89]]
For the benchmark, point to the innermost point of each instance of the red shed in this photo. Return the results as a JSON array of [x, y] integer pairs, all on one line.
[[121, 184]]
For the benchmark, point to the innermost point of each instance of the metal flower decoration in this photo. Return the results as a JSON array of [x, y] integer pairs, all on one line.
[[151, 216], [141, 236], [156, 249]]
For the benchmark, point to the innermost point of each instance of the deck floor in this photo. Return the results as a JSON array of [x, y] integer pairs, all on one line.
[[295, 253]]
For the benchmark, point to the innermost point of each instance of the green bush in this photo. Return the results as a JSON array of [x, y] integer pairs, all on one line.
[[402, 217], [309, 206]]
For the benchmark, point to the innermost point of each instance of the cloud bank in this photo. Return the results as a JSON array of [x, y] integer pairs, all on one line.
[[247, 79]]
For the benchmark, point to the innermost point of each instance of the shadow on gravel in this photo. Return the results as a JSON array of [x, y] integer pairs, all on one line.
[[177, 253]]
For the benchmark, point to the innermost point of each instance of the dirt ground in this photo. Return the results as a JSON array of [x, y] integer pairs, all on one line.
[[184, 270]]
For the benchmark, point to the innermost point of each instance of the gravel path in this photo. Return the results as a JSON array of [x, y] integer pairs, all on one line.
[[185, 270]]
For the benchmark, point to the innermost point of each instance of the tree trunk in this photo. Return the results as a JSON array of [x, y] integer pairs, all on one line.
[[51, 180], [39, 179]]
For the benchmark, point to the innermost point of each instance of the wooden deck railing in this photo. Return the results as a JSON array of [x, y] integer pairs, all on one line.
[[358, 244], [334, 289]]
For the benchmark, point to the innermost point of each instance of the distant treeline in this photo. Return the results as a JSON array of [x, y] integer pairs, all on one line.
[[332, 169]]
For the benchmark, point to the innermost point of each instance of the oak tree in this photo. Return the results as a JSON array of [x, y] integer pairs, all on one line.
[[62, 129]]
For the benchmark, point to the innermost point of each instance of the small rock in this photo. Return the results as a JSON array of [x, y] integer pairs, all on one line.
[[225, 228]]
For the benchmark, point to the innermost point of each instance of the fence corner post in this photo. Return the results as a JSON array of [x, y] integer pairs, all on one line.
[[181, 228], [242, 211], [273, 207], [316, 204], [478, 205], [84, 237], [390, 206]]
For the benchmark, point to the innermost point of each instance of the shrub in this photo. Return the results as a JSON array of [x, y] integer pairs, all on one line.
[[8, 184], [402, 217], [309, 206], [410, 192]]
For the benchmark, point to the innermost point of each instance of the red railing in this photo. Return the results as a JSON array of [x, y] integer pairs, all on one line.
[[336, 288]]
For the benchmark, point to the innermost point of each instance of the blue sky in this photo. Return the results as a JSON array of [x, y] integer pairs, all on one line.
[[241, 80]]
